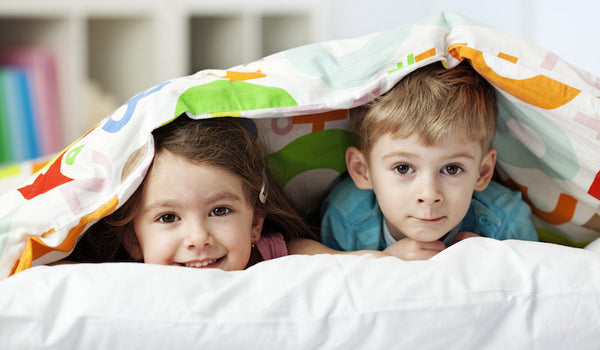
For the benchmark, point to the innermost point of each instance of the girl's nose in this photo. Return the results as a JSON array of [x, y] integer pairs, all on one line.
[[198, 236]]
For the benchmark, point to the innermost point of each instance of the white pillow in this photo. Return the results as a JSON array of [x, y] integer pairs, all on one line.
[[477, 294]]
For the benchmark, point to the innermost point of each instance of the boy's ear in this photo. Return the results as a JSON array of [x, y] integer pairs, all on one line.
[[257, 225], [358, 168], [132, 246], [486, 170]]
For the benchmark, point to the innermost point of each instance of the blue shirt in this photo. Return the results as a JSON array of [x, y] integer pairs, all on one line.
[[352, 220]]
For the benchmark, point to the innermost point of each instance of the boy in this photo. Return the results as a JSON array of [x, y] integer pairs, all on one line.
[[420, 174]]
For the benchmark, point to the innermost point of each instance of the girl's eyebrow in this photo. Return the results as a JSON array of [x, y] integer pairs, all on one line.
[[174, 203], [223, 195], [168, 204]]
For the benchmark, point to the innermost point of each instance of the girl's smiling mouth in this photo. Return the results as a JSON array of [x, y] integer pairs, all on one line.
[[207, 263]]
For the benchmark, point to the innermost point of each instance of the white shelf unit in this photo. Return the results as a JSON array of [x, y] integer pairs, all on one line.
[[128, 46]]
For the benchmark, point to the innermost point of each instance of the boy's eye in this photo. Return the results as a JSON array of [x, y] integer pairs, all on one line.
[[452, 170], [220, 211], [403, 169], [167, 218]]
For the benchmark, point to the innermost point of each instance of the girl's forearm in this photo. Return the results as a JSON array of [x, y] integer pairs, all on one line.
[[311, 247]]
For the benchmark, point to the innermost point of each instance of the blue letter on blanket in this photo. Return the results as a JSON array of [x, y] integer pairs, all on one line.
[[113, 126]]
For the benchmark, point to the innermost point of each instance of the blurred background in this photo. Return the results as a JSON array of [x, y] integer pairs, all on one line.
[[73, 62]]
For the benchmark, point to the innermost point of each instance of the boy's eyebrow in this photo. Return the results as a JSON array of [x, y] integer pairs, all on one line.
[[409, 155], [462, 155], [398, 154]]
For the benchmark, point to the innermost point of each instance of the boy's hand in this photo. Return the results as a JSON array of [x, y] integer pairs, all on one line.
[[409, 249]]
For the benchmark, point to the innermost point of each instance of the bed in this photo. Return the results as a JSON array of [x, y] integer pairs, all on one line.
[[479, 293]]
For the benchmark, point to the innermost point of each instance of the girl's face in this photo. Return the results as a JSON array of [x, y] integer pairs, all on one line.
[[194, 215]]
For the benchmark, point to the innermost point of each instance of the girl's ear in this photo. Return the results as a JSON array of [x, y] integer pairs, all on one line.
[[486, 170], [257, 225], [132, 246], [358, 168]]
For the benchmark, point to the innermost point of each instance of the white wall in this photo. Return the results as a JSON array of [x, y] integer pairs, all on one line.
[[571, 29]]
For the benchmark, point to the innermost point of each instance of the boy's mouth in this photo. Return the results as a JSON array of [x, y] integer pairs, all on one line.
[[430, 220]]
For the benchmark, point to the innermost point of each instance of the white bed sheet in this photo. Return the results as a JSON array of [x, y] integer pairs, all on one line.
[[478, 294]]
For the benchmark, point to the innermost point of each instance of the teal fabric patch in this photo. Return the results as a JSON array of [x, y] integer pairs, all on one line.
[[352, 69], [5, 222], [556, 155]]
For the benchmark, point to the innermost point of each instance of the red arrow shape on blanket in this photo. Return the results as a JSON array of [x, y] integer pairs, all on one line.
[[52, 178], [595, 187]]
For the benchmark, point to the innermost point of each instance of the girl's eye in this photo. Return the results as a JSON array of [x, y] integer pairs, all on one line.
[[452, 169], [168, 218], [220, 211], [404, 169]]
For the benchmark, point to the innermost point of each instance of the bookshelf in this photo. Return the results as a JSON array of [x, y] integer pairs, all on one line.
[[126, 46]]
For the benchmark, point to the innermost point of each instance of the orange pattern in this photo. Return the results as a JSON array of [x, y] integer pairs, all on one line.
[[38, 165], [425, 55], [50, 231], [318, 120], [539, 91], [36, 248], [508, 57], [562, 213], [242, 76]]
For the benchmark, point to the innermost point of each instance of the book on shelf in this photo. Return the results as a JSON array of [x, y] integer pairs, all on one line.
[[18, 111], [5, 132], [29, 104]]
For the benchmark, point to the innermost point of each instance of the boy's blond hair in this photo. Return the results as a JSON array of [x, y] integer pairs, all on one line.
[[432, 102]]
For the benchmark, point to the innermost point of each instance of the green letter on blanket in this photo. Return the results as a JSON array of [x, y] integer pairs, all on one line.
[[320, 150], [231, 96]]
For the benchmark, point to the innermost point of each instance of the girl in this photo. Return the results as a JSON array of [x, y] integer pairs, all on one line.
[[208, 201]]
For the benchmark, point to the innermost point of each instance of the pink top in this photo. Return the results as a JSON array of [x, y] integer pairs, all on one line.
[[271, 246]]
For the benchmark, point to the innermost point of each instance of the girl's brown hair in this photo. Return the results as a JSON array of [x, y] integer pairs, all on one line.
[[224, 142]]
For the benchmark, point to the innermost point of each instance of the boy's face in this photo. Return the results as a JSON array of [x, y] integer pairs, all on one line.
[[425, 191], [194, 215]]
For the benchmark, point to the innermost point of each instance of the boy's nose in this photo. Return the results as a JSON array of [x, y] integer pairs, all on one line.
[[430, 193], [429, 200]]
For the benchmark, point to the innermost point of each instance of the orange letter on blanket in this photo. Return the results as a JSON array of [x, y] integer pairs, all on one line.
[[318, 120], [562, 213], [540, 91], [36, 248]]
